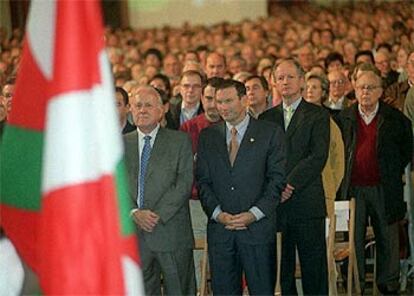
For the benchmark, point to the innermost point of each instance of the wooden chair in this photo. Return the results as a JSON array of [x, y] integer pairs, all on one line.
[[332, 273], [201, 245], [278, 289], [372, 260], [344, 221]]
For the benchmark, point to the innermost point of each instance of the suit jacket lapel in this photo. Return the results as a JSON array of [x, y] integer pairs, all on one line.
[[221, 143], [297, 119], [157, 152], [248, 139], [133, 158], [278, 113]]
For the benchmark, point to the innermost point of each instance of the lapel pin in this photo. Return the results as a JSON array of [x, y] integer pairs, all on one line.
[[251, 140]]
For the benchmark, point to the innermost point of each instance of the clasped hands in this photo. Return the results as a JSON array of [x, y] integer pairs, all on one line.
[[236, 222], [146, 219]]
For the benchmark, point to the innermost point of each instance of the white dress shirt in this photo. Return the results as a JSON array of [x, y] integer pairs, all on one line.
[[338, 105], [188, 113], [367, 118]]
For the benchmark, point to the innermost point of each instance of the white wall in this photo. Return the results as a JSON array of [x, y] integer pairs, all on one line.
[[156, 13]]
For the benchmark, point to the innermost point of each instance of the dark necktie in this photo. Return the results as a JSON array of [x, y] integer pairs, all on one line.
[[145, 156]]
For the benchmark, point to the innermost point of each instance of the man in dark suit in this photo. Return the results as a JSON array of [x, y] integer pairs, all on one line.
[[302, 210], [191, 85], [160, 170], [240, 174], [378, 143]]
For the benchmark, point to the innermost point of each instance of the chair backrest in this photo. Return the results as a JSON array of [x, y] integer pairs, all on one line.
[[343, 212], [278, 263], [343, 221]]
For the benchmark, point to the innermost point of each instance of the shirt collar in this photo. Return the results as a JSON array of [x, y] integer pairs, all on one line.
[[189, 110], [368, 117], [338, 104], [242, 126], [152, 134], [294, 105]]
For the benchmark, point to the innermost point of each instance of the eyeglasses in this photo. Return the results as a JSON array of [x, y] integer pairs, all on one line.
[[369, 88], [337, 82]]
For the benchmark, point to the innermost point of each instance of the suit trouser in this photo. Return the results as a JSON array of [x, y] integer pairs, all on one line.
[[370, 203], [229, 258], [308, 236], [176, 268]]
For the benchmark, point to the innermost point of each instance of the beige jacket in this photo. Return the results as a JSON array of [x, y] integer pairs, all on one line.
[[333, 171]]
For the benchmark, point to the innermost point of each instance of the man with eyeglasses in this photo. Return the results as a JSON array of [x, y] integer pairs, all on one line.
[[337, 100], [378, 145], [191, 84]]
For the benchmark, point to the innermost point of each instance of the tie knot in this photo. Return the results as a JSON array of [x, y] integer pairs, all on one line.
[[147, 138], [289, 108], [233, 131]]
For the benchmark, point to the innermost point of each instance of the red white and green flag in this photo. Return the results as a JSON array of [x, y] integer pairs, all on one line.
[[64, 200]]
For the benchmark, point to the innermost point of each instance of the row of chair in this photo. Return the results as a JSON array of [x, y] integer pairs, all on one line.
[[338, 250]]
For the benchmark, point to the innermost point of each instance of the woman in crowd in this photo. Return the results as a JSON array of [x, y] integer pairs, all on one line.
[[317, 89]]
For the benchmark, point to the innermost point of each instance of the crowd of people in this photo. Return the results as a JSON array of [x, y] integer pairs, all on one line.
[[285, 114]]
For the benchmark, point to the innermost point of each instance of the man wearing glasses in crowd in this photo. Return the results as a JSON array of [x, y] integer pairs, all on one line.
[[378, 145], [191, 84]]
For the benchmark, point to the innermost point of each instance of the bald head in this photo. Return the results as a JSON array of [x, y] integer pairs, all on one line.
[[144, 91], [215, 65], [146, 108]]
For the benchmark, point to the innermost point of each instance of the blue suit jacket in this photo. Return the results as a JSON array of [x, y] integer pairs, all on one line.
[[256, 178]]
